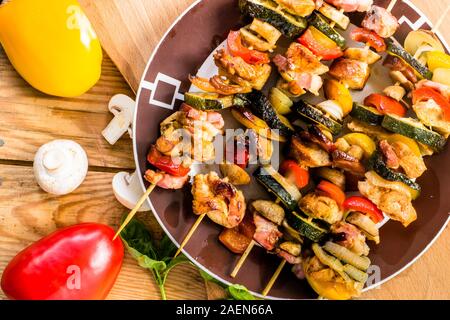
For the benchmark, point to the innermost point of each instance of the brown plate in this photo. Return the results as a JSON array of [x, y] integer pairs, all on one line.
[[181, 52]]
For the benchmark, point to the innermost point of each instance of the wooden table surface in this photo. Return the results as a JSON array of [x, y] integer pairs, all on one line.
[[30, 119]]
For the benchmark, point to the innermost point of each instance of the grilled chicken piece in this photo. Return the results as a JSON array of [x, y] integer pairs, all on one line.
[[220, 200], [375, 132], [298, 59], [267, 233], [348, 163], [308, 154], [398, 154], [362, 54], [352, 5], [394, 201], [365, 224], [349, 236], [381, 21], [430, 114], [165, 180], [320, 207], [351, 72], [301, 8], [240, 72], [301, 69]]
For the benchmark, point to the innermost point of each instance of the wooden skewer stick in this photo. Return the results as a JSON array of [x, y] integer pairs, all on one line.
[[274, 278], [190, 233], [246, 253], [242, 259], [135, 209]]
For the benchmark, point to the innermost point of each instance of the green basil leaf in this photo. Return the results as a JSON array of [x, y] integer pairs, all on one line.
[[239, 292]]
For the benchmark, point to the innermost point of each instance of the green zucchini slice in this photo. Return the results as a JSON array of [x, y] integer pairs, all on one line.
[[268, 11], [305, 227], [366, 114], [395, 49], [318, 20], [377, 164], [415, 130], [262, 108], [316, 116], [278, 185], [207, 101]]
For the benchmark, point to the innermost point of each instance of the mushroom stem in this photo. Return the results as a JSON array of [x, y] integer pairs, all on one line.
[[135, 209]]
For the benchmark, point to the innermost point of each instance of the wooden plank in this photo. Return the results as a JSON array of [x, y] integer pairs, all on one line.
[[27, 214], [30, 118], [130, 29]]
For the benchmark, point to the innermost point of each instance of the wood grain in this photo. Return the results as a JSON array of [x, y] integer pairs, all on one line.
[[27, 214], [30, 118], [130, 29]]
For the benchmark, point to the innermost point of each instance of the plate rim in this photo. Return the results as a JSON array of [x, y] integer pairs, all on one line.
[[157, 217]]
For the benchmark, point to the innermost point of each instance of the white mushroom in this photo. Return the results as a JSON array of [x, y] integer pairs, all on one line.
[[60, 166], [122, 107]]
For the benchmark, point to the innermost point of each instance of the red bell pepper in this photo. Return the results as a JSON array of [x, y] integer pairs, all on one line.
[[332, 191], [425, 94], [166, 163], [365, 206], [293, 172], [79, 262], [319, 44], [385, 104], [368, 37], [237, 49]]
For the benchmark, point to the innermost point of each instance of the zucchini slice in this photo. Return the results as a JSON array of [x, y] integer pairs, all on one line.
[[207, 101], [415, 130], [262, 108], [318, 20], [377, 164], [347, 256], [268, 11], [366, 114], [395, 49], [278, 185], [314, 115], [305, 227]]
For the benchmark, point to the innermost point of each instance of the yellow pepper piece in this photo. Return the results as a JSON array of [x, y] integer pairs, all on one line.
[[334, 90], [51, 44], [412, 145], [437, 59], [363, 141]]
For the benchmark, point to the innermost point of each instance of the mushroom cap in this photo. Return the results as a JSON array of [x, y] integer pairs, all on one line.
[[60, 166]]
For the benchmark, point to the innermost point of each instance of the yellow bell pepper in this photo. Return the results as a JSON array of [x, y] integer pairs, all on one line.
[[334, 90], [363, 141], [51, 44], [442, 75], [437, 59]]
